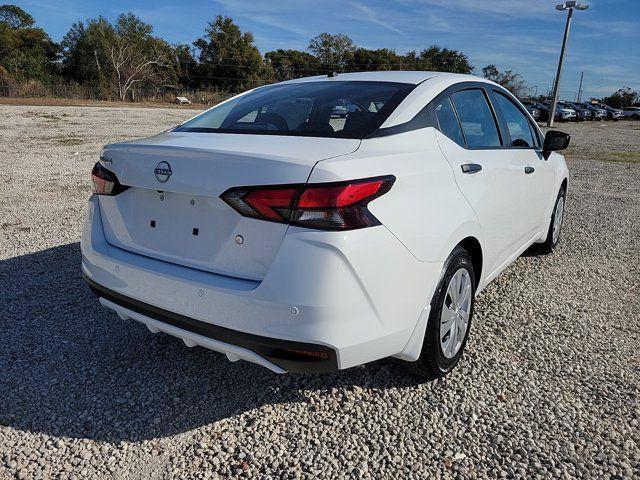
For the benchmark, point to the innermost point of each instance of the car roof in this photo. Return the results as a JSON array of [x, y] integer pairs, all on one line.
[[400, 76]]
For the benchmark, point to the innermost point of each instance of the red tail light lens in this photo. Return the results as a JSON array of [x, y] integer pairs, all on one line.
[[325, 206], [105, 182]]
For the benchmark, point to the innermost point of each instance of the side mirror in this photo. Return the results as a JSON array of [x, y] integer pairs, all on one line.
[[555, 140]]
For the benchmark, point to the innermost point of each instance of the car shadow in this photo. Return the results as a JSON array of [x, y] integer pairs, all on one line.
[[534, 250], [69, 367]]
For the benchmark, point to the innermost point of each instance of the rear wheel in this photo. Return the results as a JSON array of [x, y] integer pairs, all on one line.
[[449, 319], [555, 225]]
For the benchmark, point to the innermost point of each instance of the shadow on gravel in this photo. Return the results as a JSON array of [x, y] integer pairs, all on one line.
[[69, 367]]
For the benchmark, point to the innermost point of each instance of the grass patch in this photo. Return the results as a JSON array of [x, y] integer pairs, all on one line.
[[70, 142], [605, 156], [632, 156]]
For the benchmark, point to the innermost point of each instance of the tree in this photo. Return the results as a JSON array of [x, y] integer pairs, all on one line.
[[135, 56], [332, 51], [288, 64], [122, 56], [364, 59], [15, 17], [229, 59], [624, 97], [439, 59], [187, 67], [508, 79], [85, 59], [26, 52]]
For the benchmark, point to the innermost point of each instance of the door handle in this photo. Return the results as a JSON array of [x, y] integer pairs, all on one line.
[[529, 170], [471, 168]]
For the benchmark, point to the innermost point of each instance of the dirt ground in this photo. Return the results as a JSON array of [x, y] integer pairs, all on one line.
[[549, 386]]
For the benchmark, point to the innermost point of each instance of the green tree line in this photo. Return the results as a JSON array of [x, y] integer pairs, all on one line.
[[121, 58], [124, 59]]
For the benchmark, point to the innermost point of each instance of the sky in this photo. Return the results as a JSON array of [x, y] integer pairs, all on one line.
[[524, 36]]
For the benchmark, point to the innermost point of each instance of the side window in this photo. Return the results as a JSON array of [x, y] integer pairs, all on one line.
[[517, 123], [478, 125], [448, 122]]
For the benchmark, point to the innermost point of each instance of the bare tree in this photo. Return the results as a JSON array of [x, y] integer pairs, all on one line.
[[135, 56], [132, 66]]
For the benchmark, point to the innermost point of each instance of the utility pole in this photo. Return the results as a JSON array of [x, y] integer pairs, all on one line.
[[568, 5], [580, 87]]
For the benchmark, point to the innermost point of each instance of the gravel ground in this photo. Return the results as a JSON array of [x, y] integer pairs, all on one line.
[[549, 386]]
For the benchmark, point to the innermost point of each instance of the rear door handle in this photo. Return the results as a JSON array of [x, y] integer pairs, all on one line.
[[471, 168], [529, 170]]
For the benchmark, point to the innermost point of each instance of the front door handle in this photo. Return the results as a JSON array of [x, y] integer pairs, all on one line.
[[471, 168], [529, 170]]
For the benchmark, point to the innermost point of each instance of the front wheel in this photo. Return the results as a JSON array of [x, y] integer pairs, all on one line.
[[449, 318]]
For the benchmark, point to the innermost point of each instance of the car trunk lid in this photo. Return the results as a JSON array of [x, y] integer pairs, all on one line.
[[173, 211]]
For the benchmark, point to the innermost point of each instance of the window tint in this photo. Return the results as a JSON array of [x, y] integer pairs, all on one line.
[[477, 121], [448, 122], [351, 109], [517, 123]]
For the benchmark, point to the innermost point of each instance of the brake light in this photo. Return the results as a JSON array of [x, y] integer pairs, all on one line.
[[325, 206], [105, 182]]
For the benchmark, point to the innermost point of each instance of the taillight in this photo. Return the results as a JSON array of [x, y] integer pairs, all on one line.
[[325, 206], [105, 181]]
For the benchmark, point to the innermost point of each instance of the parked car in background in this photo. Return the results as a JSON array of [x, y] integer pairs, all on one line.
[[612, 113], [533, 110], [563, 113], [597, 113], [544, 111], [631, 112], [265, 231], [581, 112]]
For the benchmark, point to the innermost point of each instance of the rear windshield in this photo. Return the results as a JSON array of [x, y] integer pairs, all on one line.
[[345, 109]]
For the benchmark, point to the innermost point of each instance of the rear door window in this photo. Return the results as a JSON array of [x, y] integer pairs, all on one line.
[[448, 121], [477, 121]]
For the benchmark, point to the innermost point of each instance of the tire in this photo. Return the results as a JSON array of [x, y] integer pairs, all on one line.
[[552, 240], [435, 359]]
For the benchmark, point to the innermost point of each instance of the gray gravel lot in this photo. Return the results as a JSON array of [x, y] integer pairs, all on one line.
[[549, 386]]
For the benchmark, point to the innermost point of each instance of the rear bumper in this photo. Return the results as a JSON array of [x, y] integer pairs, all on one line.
[[285, 356], [329, 300]]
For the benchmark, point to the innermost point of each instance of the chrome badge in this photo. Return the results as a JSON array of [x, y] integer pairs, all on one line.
[[162, 172]]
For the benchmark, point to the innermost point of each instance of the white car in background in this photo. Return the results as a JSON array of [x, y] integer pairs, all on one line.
[[566, 113], [268, 230]]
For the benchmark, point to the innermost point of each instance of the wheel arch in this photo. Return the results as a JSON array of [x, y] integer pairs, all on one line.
[[474, 248], [564, 184]]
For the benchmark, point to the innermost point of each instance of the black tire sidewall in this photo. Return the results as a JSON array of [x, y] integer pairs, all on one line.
[[550, 242], [458, 259]]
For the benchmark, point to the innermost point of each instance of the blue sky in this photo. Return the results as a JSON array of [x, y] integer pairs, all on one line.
[[523, 35]]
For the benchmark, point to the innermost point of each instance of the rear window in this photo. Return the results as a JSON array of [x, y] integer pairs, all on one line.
[[347, 109]]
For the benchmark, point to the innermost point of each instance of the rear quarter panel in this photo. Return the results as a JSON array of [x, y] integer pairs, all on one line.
[[424, 209]]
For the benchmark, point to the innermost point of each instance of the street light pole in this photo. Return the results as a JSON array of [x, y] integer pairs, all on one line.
[[568, 5]]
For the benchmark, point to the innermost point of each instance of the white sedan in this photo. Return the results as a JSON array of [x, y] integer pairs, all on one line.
[[271, 230]]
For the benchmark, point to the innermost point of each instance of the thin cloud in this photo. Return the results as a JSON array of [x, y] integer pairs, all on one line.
[[372, 16]]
